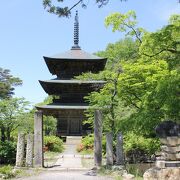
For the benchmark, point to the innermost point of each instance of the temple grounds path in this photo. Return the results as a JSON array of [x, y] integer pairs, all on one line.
[[68, 167]]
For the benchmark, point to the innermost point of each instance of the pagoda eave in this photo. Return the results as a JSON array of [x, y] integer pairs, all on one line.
[[68, 68], [73, 87], [57, 109]]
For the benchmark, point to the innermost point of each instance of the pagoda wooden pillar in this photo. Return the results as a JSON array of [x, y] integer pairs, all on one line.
[[38, 139]]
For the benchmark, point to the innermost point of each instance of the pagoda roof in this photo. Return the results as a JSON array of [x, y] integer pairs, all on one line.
[[76, 54], [59, 106], [72, 87], [55, 108], [73, 81]]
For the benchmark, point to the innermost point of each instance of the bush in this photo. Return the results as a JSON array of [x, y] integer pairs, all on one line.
[[138, 148], [7, 152], [53, 143], [87, 144], [7, 172]]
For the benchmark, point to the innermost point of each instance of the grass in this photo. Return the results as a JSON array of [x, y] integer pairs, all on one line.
[[87, 152], [50, 158], [107, 171]]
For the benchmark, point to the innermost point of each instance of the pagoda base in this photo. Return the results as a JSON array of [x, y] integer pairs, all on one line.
[[69, 118]]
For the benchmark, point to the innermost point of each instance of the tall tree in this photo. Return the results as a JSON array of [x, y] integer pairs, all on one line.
[[7, 83], [12, 112], [151, 83], [147, 88]]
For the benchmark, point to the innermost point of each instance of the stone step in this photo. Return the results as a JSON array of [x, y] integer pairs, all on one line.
[[73, 140]]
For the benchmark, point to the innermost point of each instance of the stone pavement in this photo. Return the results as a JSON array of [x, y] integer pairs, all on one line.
[[69, 158], [68, 167]]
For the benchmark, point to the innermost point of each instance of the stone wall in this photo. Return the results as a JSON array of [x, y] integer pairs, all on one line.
[[167, 166]]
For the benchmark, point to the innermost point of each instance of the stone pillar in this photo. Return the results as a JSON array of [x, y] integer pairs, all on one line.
[[20, 150], [29, 150], [167, 166], [109, 148], [97, 138], [38, 139], [119, 150]]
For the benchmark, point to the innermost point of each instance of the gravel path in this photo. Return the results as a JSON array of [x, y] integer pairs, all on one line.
[[65, 176]]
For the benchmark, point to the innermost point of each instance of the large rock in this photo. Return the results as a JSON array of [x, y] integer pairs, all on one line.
[[168, 129], [127, 176], [162, 174]]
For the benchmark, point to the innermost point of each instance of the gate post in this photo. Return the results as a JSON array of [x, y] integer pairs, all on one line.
[[109, 148], [20, 150], [38, 139], [97, 138], [119, 150], [29, 150]]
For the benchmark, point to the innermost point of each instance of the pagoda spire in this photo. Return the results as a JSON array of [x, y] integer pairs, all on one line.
[[76, 32]]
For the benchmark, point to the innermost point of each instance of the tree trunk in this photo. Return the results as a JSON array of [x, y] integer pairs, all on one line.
[[3, 136], [8, 134]]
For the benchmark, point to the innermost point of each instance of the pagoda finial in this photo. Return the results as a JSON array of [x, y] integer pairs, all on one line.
[[76, 32]]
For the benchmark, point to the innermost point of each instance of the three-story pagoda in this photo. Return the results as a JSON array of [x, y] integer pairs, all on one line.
[[68, 94]]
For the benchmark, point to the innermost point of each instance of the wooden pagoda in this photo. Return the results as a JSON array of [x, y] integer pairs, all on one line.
[[68, 94]]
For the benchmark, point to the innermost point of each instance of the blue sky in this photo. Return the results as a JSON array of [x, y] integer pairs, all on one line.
[[28, 32]]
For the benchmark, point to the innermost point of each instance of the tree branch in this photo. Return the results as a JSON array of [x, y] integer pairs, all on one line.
[[136, 34]]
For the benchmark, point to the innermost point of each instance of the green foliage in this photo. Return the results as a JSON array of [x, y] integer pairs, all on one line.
[[66, 10], [138, 148], [12, 114], [7, 152], [121, 22], [125, 23], [135, 170], [7, 83], [7, 172], [50, 125], [87, 144], [53, 143], [49, 122], [142, 83], [122, 50], [88, 141]]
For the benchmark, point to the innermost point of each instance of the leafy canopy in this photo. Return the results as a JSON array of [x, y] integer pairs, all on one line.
[[7, 83], [142, 77], [65, 11]]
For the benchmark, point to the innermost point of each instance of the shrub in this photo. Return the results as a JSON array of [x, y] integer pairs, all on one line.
[[138, 148], [7, 152], [87, 144], [53, 143], [7, 172]]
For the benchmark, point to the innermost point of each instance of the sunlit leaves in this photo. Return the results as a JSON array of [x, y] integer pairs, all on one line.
[[120, 21]]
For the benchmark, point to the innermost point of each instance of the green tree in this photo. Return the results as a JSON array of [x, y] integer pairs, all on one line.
[[7, 83], [151, 83], [107, 99], [11, 112], [143, 82], [49, 122]]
